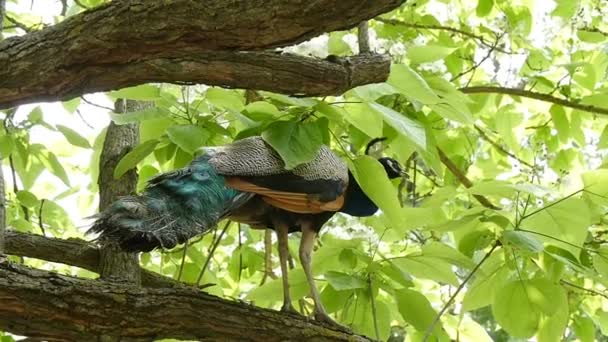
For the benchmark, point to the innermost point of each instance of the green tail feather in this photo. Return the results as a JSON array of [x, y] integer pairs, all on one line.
[[175, 207]]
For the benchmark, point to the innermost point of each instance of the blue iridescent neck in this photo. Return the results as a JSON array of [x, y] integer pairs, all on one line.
[[356, 202]]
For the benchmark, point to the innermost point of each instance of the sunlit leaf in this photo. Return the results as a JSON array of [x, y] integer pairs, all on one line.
[[131, 159], [372, 178], [73, 137], [296, 142]]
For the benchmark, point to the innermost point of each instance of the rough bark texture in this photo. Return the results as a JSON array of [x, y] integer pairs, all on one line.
[[116, 264], [73, 252], [41, 304], [2, 212], [77, 50], [272, 71]]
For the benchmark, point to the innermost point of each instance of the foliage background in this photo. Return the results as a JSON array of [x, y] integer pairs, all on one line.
[[535, 263]]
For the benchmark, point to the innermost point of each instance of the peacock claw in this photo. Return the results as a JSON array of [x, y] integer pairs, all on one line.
[[289, 309], [324, 318]]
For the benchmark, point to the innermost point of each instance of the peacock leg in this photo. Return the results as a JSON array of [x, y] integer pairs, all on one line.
[[282, 238], [306, 244]]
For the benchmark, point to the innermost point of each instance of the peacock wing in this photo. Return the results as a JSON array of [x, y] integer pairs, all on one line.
[[253, 166]]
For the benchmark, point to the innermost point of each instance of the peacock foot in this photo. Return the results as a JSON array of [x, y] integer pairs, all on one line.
[[324, 318], [288, 308]]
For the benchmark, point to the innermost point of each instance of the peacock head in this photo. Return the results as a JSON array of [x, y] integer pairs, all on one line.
[[391, 166]]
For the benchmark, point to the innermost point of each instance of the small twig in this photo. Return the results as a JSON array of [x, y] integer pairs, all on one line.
[[534, 95], [64, 7], [552, 204], [181, 266], [26, 212], [373, 302], [96, 105], [40, 217], [481, 40], [478, 64], [240, 253], [592, 291], [79, 3], [429, 330], [500, 149], [18, 24], [462, 178], [217, 242], [363, 37], [83, 120]]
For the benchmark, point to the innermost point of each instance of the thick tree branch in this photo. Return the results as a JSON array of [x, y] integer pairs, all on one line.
[[534, 95], [42, 304], [157, 32], [73, 252], [272, 71]]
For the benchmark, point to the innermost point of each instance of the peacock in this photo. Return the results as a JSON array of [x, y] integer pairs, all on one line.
[[245, 181]]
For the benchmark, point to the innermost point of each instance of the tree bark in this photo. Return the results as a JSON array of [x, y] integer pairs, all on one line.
[[78, 50], [2, 213], [116, 264], [42, 304], [73, 252]]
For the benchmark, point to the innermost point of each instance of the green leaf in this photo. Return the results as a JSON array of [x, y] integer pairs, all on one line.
[[131, 159], [409, 128], [565, 8], [261, 110], [154, 128], [523, 240], [584, 328], [507, 121], [188, 137], [336, 44], [427, 268], [21, 225], [6, 146], [342, 281], [601, 319], [142, 92], [371, 92], [600, 261], [412, 85], [296, 142], [71, 105], [482, 291], [427, 53], [73, 137], [226, 99], [514, 311], [448, 254], [35, 115], [553, 325], [27, 199], [416, 309], [507, 189], [137, 116], [604, 139], [590, 36], [484, 7], [50, 161], [364, 119], [557, 221], [560, 121], [372, 178]]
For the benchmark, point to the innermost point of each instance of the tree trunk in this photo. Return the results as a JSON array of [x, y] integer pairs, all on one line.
[[42, 304], [116, 264]]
